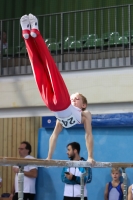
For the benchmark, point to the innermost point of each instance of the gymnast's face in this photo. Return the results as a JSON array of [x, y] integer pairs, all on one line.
[[70, 152], [76, 100], [115, 175]]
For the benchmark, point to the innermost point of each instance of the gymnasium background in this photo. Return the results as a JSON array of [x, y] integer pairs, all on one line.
[[110, 143]]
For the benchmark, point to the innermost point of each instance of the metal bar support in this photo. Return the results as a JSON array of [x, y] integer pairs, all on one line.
[[124, 175], [20, 183], [82, 183]]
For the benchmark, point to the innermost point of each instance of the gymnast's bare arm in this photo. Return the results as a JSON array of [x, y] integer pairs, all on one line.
[[86, 120], [130, 193], [53, 139]]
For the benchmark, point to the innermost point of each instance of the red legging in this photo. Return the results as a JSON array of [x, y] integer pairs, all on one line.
[[49, 80]]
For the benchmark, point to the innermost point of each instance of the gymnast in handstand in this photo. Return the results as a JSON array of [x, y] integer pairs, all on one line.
[[69, 110]]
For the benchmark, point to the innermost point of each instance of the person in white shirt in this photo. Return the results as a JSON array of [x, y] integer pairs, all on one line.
[[30, 174]]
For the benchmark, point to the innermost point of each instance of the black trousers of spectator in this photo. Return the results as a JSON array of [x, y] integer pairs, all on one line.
[[27, 196], [73, 198]]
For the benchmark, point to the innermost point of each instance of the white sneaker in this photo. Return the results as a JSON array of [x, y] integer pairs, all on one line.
[[34, 24], [25, 24], [33, 21]]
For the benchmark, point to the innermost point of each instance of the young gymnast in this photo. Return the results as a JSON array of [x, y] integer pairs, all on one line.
[[68, 110], [114, 189]]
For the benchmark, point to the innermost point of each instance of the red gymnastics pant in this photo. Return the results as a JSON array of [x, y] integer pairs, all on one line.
[[49, 80]]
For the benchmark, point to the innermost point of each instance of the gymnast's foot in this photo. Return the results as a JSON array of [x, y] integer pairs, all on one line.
[[25, 24], [34, 24]]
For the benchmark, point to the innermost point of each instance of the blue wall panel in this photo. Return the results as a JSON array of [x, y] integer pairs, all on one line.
[[113, 144]]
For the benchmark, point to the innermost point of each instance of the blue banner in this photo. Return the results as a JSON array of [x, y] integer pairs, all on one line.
[[103, 120]]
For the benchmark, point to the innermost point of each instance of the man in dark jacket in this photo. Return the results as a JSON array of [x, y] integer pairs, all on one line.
[[72, 176]]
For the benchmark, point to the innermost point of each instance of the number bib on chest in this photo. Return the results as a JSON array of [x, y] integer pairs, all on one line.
[[68, 122]]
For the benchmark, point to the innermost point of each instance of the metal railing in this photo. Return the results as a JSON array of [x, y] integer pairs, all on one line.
[[78, 40]]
